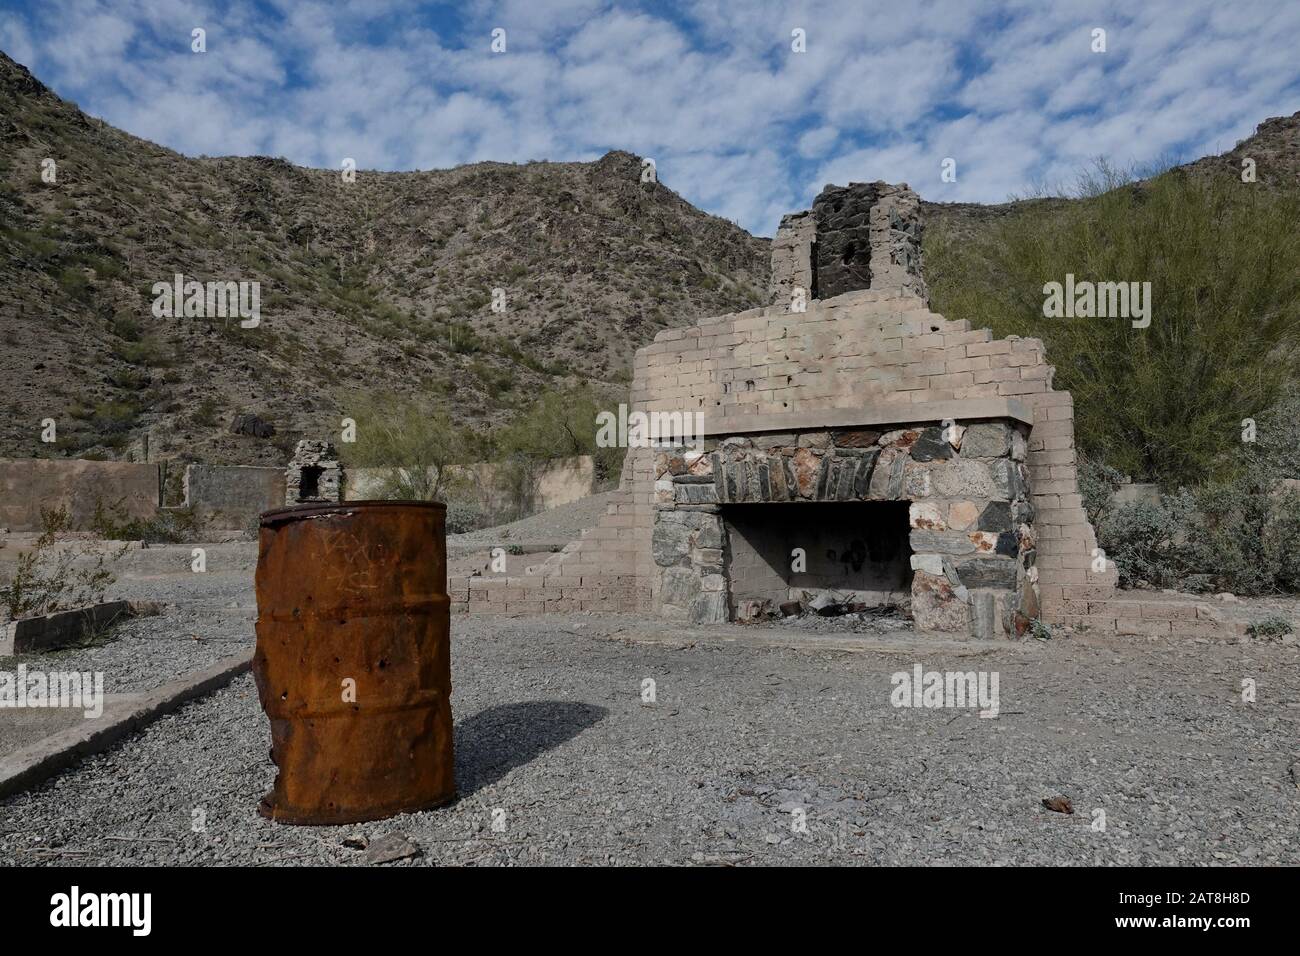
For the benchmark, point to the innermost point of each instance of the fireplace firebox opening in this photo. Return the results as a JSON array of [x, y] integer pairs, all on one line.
[[824, 557]]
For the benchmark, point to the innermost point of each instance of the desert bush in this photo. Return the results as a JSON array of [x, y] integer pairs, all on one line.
[[205, 413], [516, 478], [74, 283], [1163, 403], [114, 417], [1275, 452], [1148, 543], [462, 518], [171, 526], [1238, 535], [1098, 482], [1282, 542], [562, 424], [1275, 625], [53, 576], [412, 441]]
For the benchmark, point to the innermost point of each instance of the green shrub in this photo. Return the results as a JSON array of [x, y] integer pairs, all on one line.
[[1275, 625], [1148, 542], [114, 417], [205, 415], [1238, 536], [561, 424], [56, 575], [1098, 482], [1282, 542], [1225, 535], [174, 525], [412, 441], [74, 283], [462, 518], [1163, 403], [129, 379], [1276, 449]]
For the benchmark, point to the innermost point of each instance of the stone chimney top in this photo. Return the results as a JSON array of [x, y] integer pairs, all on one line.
[[860, 236]]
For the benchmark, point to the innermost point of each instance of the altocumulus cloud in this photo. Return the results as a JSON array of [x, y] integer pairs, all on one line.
[[736, 120]]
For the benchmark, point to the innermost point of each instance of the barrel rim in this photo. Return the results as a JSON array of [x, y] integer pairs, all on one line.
[[319, 508]]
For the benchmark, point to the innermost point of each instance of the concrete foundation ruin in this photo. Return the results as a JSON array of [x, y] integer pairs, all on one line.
[[911, 459]]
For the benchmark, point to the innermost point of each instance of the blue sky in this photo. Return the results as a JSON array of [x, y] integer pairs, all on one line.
[[737, 122]]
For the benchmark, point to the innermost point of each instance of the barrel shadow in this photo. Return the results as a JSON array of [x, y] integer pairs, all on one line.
[[496, 740]]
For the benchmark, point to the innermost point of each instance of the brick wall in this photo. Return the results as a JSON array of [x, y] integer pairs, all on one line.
[[845, 352]]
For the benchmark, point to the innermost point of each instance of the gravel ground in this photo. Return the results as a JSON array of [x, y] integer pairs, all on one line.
[[742, 739]]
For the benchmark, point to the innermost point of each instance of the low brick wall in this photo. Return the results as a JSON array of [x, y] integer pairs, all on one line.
[[29, 484], [230, 497], [542, 593]]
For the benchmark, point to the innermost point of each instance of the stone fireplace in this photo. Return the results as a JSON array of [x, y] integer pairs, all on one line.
[[854, 443], [925, 509]]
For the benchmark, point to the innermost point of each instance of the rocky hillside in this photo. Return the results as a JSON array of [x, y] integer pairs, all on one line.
[[1274, 146], [382, 284]]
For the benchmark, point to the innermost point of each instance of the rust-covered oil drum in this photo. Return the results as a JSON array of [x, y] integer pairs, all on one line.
[[353, 661]]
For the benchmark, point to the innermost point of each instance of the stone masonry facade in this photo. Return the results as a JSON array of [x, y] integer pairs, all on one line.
[[868, 237], [875, 355], [969, 514]]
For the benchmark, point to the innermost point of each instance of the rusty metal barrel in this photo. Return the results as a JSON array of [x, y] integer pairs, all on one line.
[[353, 661]]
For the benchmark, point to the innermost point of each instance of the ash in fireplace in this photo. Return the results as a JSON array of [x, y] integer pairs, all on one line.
[[827, 611]]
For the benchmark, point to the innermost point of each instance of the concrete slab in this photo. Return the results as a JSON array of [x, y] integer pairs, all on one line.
[[898, 414], [64, 628], [123, 715]]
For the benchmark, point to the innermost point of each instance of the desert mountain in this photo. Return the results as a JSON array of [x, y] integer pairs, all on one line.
[[384, 284], [381, 284]]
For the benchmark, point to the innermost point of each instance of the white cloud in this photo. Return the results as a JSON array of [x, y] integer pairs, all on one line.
[[741, 125]]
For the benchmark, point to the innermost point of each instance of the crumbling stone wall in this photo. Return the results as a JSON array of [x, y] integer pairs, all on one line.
[[793, 258], [788, 371], [232, 496], [868, 237], [29, 484], [855, 237], [314, 474]]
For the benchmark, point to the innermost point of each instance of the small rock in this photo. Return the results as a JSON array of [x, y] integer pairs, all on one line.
[[772, 838], [1058, 804], [356, 842], [252, 426], [390, 847]]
